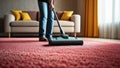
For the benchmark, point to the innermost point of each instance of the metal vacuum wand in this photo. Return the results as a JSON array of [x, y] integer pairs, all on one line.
[[61, 30]]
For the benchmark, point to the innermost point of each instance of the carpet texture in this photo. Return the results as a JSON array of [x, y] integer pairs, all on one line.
[[29, 53]]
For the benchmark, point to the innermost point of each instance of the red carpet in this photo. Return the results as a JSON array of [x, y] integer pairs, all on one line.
[[29, 53]]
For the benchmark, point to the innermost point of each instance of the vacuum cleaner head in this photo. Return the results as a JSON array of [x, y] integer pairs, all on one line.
[[66, 41]]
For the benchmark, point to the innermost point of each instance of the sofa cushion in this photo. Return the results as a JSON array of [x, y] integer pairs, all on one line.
[[64, 23], [38, 16], [25, 16], [59, 14], [16, 13], [24, 23], [33, 14], [66, 15]]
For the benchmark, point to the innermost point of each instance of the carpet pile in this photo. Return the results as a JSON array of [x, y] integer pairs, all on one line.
[[30, 53]]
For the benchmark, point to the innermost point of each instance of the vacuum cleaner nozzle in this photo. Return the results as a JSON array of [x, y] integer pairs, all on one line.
[[65, 41]]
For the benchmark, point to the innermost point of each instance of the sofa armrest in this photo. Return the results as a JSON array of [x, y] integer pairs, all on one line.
[[7, 19], [77, 20]]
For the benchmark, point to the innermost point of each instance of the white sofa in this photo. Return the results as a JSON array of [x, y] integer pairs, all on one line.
[[11, 26]]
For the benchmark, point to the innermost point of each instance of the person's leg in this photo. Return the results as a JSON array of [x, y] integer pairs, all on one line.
[[50, 23], [43, 19]]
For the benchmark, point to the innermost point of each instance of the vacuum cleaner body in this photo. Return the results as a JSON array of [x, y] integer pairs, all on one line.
[[64, 39]]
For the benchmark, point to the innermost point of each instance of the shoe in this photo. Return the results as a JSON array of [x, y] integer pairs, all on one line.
[[43, 39]]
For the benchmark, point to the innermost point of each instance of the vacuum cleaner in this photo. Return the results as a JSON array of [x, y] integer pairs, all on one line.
[[64, 39]]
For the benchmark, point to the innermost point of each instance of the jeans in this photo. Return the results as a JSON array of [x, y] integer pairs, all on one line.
[[46, 22]]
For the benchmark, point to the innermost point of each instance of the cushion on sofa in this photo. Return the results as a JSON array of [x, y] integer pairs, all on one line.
[[38, 16], [25, 16], [59, 14], [66, 15], [33, 14], [16, 13]]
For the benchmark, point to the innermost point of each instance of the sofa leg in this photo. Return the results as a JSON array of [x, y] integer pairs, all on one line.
[[9, 34], [75, 34]]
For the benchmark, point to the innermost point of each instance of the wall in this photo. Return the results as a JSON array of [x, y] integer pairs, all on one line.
[[7, 5], [65, 5], [80, 10]]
